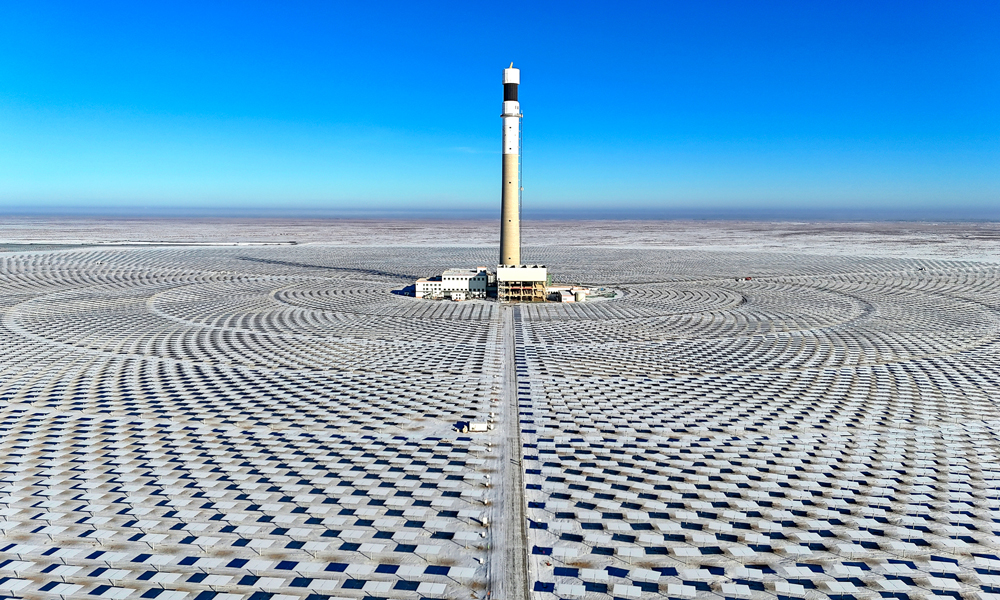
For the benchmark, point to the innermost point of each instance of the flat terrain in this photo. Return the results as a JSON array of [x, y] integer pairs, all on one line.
[[273, 423], [955, 241]]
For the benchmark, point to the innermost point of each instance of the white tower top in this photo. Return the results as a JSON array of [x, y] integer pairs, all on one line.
[[511, 79], [512, 75]]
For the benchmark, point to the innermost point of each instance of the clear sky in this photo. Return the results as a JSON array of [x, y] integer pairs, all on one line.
[[631, 108]]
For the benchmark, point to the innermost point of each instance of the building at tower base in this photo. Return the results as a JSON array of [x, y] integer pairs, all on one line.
[[522, 283]]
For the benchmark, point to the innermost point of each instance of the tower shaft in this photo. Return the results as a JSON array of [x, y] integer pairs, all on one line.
[[510, 209], [510, 226]]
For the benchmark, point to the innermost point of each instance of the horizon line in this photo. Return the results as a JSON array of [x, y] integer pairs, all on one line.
[[957, 214]]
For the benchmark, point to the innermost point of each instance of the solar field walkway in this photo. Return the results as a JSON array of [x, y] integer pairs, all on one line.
[[275, 424]]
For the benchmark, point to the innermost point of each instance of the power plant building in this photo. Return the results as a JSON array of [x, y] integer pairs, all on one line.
[[522, 283], [515, 282]]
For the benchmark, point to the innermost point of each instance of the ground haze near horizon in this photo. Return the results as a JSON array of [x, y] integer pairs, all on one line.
[[940, 239]]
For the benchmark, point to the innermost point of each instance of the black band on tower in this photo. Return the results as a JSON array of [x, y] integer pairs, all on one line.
[[510, 92]]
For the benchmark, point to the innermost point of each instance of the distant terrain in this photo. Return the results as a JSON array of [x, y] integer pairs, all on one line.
[[951, 240]]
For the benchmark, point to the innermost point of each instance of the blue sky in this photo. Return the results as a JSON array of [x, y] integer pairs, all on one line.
[[659, 108]]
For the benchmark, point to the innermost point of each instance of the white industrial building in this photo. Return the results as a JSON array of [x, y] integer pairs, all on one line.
[[455, 284], [567, 293], [522, 283], [510, 283]]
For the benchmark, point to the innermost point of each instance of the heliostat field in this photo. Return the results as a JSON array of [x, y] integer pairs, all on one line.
[[274, 423]]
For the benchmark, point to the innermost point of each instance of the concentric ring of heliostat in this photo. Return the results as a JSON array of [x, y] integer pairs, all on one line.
[[272, 423]]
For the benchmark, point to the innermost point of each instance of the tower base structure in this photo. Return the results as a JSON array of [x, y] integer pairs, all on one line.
[[522, 283]]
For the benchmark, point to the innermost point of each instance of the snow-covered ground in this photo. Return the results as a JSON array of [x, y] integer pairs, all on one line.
[[959, 241]]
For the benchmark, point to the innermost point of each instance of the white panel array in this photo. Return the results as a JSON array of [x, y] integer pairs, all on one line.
[[275, 424]]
